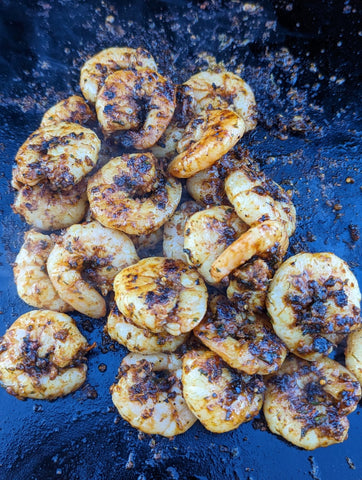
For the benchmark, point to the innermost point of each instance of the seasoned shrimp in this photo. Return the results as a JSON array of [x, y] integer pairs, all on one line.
[[61, 154], [31, 277], [132, 194], [161, 294], [95, 70], [257, 198], [206, 138], [207, 234], [353, 354], [173, 232], [145, 244], [148, 394], [42, 356], [140, 101], [220, 397], [267, 240], [46, 209], [137, 339], [307, 403], [311, 297], [223, 90], [86, 260], [73, 109], [245, 342]]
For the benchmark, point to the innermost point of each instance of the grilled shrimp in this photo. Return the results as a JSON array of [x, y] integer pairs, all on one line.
[[42, 356], [220, 397], [245, 342], [311, 297], [46, 209], [173, 232], [61, 154], [161, 294], [145, 244], [257, 198], [353, 354], [148, 394], [222, 90], [206, 138], [140, 101], [137, 339], [207, 234], [73, 109], [131, 193], [31, 277], [95, 70], [86, 260], [307, 402]]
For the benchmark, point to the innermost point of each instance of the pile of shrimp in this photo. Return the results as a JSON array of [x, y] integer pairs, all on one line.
[[217, 324]]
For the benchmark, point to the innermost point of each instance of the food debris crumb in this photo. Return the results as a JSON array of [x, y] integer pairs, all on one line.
[[350, 463], [354, 232]]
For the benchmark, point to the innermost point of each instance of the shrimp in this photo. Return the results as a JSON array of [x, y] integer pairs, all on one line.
[[140, 101], [145, 244], [32, 281], [173, 232], [245, 342], [132, 194], [307, 403], [220, 397], [311, 297], [267, 240], [257, 198], [46, 209], [42, 356], [61, 154], [161, 294], [95, 70], [206, 138], [73, 109], [223, 90], [207, 234], [148, 394], [88, 256], [137, 339], [353, 354]]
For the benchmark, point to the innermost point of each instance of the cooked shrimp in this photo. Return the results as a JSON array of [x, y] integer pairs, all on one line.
[[95, 70], [140, 101], [42, 356], [161, 294], [173, 232], [131, 193], [206, 138], [312, 296], [256, 198], [220, 397], [86, 260], [146, 244], [148, 394], [31, 277], [353, 354], [46, 209], [61, 154], [245, 342], [207, 234], [137, 339], [307, 402], [73, 109], [223, 90], [267, 240]]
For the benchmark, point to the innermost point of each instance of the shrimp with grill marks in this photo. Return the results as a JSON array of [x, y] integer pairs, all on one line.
[[73, 109], [307, 403], [220, 397], [353, 354], [86, 260], [149, 396], [42, 356], [312, 300]]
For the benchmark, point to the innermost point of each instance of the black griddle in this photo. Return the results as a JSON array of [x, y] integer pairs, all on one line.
[[301, 58]]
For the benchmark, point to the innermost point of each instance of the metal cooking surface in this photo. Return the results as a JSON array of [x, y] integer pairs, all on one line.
[[301, 60]]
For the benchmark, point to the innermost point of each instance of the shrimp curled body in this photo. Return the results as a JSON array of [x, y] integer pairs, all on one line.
[[73, 109], [353, 354]]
